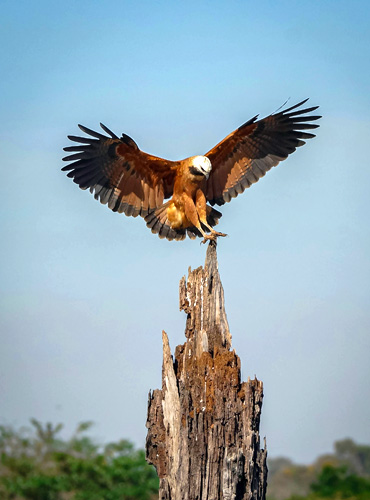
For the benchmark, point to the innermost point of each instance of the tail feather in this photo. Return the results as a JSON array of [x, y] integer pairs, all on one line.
[[213, 216], [193, 233], [158, 222]]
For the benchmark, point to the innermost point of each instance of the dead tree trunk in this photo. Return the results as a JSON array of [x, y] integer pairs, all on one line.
[[203, 425]]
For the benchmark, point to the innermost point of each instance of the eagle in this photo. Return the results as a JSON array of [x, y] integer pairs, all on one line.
[[133, 182]]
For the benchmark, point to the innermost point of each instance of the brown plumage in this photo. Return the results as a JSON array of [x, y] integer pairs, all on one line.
[[136, 183]]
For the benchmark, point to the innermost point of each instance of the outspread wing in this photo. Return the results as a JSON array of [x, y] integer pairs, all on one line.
[[244, 156], [118, 173]]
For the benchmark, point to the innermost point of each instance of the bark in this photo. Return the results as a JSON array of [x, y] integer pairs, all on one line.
[[203, 425]]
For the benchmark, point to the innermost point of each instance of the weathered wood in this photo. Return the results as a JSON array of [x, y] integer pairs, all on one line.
[[203, 425]]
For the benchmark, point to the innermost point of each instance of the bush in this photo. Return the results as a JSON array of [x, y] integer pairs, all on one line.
[[35, 464]]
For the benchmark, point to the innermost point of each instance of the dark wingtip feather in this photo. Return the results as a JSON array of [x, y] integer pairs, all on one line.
[[91, 132], [304, 111], [249, 122], [84, 140], [76, 156], [297, 105], [74, 148], [284, 111], [305, 126], [300, 119], [109, 132]]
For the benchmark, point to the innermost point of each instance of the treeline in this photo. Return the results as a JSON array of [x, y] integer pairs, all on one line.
[[37, 464], [344, 474]]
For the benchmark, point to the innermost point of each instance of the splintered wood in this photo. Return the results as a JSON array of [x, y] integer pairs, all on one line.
[[203, 425]]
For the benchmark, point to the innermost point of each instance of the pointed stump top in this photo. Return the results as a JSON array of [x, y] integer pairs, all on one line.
[[202, 299]]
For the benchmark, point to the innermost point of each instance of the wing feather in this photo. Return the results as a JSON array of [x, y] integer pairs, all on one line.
[[118, 173], [245, 155]]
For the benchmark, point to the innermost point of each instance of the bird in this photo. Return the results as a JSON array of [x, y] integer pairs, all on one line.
[[136, 183]]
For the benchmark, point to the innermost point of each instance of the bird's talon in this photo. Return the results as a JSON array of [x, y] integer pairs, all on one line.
[[216, 233], [208, 237], [213, 236]]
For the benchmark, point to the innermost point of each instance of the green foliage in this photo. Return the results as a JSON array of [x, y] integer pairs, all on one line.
[[345, 474], [336, 482], [38, 465]]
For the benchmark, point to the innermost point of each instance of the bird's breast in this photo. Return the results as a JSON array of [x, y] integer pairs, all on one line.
[[187, 184]]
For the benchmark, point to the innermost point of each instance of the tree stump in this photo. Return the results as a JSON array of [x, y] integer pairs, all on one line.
[[203, 425]]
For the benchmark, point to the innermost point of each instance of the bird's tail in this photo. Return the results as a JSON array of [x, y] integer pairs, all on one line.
[[158, 222]]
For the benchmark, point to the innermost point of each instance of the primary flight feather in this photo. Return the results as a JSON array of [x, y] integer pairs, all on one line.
[[136, 183]]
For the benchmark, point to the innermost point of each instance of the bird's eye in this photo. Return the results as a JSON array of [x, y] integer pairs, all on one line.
[[195, 171]]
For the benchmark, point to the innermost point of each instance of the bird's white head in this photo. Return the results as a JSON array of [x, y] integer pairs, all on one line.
[[202, 165]]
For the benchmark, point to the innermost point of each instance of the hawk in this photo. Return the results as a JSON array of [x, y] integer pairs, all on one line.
[[135, 183]]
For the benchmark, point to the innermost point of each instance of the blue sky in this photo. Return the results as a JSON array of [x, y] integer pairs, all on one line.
[[85, 293]]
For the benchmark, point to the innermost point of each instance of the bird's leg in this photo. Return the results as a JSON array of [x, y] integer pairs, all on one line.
[[213, 232], [201, 206], [192, 215]]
